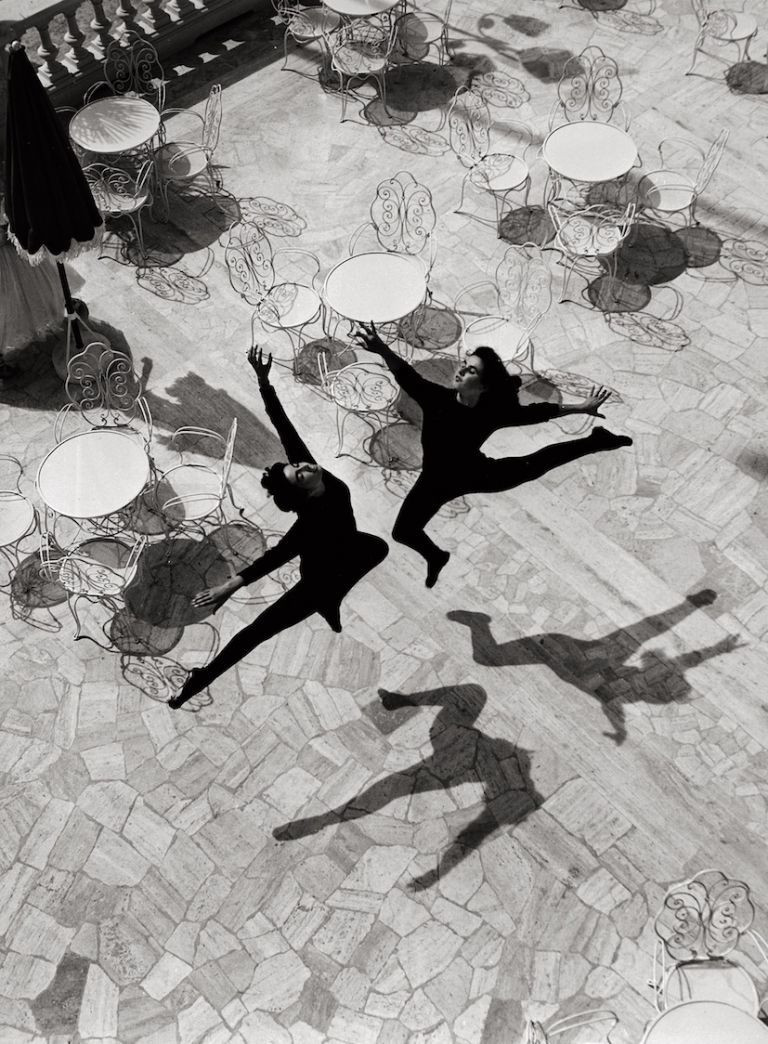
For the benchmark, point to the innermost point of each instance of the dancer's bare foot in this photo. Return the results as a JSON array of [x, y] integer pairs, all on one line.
[[436, 566], [468, 618], [607, 439], [393, 700], [194, 684], [699, 598]]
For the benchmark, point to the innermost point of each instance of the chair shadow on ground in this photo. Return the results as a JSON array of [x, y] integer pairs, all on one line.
[[461, 753], [599, 666], [190, 398]]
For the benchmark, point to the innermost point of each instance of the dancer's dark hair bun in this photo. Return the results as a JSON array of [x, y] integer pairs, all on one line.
[[285, 495], [496, 377]]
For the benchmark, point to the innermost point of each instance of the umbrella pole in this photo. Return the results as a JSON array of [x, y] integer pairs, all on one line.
[[72, 322]]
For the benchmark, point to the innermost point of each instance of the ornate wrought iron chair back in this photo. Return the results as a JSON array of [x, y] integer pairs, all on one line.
[[711, 162], [249, 260], [534, 295], [704, 917], [402, 214], [212, 120], [590, 87], [132, 66], [469, 126], [102, 386]]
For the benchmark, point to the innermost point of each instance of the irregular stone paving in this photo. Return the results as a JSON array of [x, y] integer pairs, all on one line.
[[495, 844]]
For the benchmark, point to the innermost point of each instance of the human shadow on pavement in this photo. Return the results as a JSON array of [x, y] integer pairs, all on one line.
[[599, 666], [461, 753]]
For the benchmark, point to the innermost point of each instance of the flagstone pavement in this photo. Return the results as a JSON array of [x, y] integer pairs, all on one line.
[[463, 811]]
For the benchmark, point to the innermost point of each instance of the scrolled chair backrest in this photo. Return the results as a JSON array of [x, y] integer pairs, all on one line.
[[212, 119], [103, 387], [469, 126], [402, 214], [704, 917], [249, 260], [590, 87], [711, 161], [132, 66], [535, 296]]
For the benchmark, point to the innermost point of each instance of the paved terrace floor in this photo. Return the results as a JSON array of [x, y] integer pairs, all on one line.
[[565, 757]]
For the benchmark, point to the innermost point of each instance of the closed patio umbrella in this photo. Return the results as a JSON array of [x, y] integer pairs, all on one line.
[[51, 212]]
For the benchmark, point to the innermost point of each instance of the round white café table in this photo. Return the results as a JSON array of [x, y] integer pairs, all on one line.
[[706, 1022], [360, 8], [589, 151], [115, 124], [94, 473], [377, 286]]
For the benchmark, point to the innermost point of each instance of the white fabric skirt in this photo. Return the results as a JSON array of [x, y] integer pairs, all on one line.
[[30, 299]]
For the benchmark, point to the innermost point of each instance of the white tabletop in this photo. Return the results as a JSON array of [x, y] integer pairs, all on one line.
[[115, 124], [589, 151], [94, 473], [360, 8], [376, 286], [706, 1022]]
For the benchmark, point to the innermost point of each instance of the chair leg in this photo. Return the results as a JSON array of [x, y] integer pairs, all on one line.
[[459, 209]]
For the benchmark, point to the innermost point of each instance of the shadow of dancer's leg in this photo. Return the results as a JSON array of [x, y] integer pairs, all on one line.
[[485, 649], [377, 795], [466, 841]]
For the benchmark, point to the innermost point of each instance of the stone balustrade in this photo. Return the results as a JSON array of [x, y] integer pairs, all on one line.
[[68, 65]]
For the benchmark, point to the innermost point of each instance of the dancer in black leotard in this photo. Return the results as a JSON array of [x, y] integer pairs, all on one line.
[[334, 555], [456, 423]]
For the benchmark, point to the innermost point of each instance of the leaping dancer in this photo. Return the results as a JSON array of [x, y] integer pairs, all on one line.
[[334, 554], [457, 421]]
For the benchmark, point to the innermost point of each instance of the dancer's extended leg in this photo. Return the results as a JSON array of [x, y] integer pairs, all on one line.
[[508, 472], [297, 604], [420, 505]]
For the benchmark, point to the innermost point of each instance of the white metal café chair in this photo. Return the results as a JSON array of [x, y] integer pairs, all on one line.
[[402, 220], [119, 194], [500, 174], [104, 391], [722, 28], [419, 31], [669, 191], [362, 389], [305, 25], [362, 50], [190, 163], [517, 298], [96, 570], [590, 88], [132, 66], [283, 287], [193, 491], [18, 516], [588, 237], [698, 929], [535, 1033]]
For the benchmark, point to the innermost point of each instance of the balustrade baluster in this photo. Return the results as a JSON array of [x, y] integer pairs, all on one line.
[[181, 9], [101, 26], [77, 57], [51, 71], [153, 16], [126, 13]]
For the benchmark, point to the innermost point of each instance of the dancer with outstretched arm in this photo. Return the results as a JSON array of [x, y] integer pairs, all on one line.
[[457, 421], [334, 554]]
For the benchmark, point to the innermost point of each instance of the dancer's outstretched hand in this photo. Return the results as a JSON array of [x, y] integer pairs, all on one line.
[[215, 597], [262, 367], [595, 400], [367, 337]]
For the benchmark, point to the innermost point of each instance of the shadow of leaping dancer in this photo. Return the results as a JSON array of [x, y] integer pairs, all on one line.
[[461, 753], [599, 666]]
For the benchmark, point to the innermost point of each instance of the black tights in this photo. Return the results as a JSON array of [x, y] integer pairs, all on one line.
[[431, 492], [297, 604]]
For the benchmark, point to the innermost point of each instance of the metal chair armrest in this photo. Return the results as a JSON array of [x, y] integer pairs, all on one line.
[[471, 289]]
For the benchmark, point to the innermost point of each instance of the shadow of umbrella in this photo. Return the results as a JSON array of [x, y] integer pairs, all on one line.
[[51, 212]]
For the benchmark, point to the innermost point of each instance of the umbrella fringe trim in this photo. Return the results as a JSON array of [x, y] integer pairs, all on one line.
[[74, 249]]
